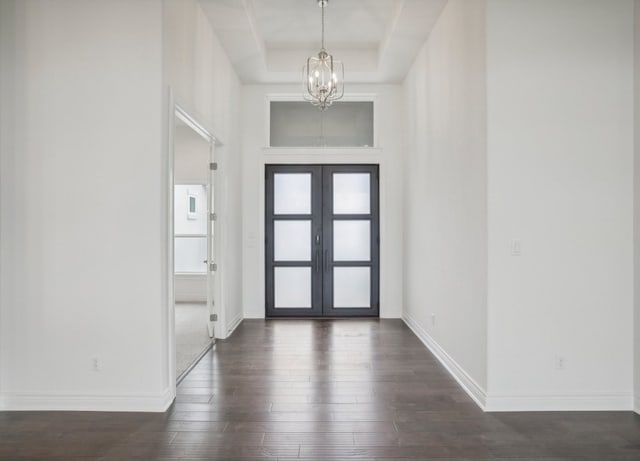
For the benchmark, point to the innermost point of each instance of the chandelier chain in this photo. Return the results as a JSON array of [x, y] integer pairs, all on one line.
[[322, 6]]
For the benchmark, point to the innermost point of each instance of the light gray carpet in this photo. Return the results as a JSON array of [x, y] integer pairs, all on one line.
[[192, 336]]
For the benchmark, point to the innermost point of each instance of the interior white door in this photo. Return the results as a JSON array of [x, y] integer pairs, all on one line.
[[211, 248]]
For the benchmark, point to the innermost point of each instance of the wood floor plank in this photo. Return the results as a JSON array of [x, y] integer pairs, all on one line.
[[320, 390]]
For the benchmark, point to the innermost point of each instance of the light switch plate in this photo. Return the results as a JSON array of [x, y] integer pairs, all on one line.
[[516, 247]]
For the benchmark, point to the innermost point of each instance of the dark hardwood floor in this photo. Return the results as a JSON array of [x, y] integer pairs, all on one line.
[[316, 390]]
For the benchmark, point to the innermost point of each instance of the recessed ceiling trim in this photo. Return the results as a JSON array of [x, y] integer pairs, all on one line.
[[251, 18], [267, 40], [391, 28]]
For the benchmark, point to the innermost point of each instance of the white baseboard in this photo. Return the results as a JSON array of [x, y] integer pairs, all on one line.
[[235, 323], [571, 402], [490, 402], [42, 401], [466, 382]]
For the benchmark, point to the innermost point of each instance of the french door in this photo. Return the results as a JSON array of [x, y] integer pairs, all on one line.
[[322, 241]]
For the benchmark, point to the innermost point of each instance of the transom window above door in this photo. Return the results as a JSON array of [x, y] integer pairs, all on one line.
[[299, 124]]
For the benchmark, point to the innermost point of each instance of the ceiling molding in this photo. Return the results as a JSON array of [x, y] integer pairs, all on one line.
[[392, 27], [251, 18], [269, 41]]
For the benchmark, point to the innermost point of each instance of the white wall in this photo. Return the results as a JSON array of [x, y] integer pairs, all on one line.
[[184, 221], [86, 163], [77, 284], [636, 198], [255, 156], [190, 286], [560, 144], [191, 157], [445, 218], [205, 84], [7, 108], [191, 163]]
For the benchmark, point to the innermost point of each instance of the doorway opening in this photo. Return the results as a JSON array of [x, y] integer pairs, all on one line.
[[193, 246], [322, 241]]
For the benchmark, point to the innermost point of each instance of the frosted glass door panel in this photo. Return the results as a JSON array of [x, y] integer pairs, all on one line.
[[189, 255], [292, 287], [351, 240], [351, 287], [292, 193], [292, 240], [351, 193]]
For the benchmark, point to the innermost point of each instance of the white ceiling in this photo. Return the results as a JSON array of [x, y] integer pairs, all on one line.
[[269, 40]]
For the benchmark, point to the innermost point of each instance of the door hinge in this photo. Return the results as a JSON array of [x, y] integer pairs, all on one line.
[[213, 216], [213, 317], [213, 166], [213, 267]]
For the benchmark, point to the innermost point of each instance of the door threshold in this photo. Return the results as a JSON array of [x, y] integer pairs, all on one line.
[[195, 361], [368, 317]]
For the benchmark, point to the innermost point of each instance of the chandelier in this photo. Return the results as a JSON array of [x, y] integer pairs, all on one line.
[[323, 78]]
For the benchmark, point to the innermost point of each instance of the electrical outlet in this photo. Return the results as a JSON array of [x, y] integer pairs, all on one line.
[[560, 362], [95, 364]]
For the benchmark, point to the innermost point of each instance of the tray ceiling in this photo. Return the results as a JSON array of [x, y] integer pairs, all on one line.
[[269, 40]]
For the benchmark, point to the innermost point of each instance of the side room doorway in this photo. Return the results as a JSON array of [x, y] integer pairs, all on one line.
[[322, 241], [193, 241]]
